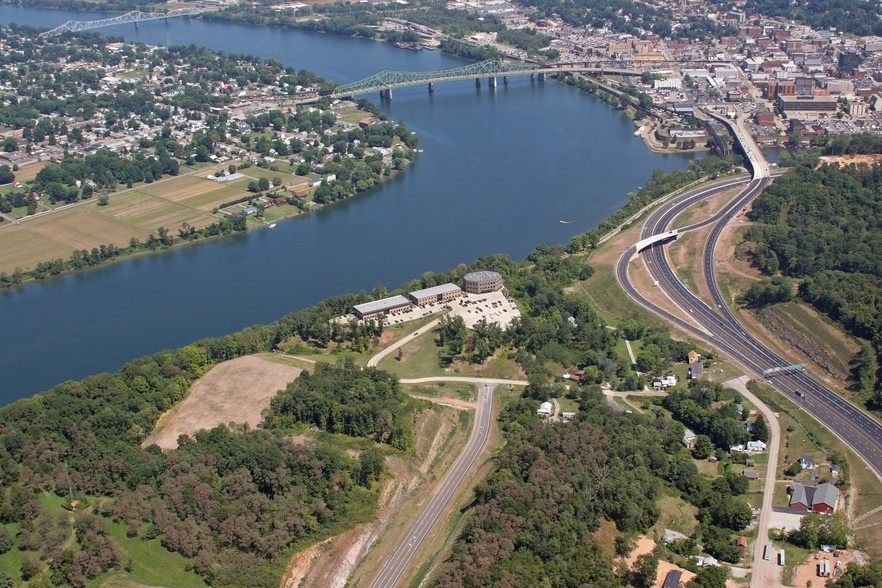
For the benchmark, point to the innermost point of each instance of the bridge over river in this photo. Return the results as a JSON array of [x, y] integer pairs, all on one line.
[[386, 80], [135, 16]]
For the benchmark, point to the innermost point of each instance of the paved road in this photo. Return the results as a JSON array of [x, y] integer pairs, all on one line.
[[404, 341], [719, 327], [765, 572], [399, 564]]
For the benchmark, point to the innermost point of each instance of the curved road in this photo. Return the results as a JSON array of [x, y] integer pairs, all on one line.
[[719, 326]]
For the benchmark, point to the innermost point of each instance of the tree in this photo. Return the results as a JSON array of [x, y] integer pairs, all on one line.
[[703, 447], [30, 567], [253, 186], [6, 175], [10, 144], [5, 540], [263, 184], [761, 429], [712, 577], [651, 359], [6, 580], [644, 571]]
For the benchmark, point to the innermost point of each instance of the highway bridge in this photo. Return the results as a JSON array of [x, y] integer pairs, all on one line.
[[386, 81], [717, 324], [653, 239], [135, 16]]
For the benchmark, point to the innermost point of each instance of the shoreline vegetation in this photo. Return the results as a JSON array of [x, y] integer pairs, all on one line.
[[163, 238], [252, 163], [79, 443]]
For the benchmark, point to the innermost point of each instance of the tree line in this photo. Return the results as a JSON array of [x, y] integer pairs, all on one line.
[[823, 227], [234, 502]]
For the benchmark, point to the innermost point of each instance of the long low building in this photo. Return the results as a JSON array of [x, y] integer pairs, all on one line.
[[442, 293], [380, 307]]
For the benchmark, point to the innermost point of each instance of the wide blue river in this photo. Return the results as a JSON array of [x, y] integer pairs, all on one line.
[[500, 171]]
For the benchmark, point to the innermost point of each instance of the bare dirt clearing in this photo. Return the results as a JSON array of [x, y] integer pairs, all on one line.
[[235, 391]]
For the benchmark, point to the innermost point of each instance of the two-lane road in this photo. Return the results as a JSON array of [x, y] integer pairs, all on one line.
[[399, 564]]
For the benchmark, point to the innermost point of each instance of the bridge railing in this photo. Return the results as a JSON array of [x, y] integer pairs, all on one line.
[[136, 16]]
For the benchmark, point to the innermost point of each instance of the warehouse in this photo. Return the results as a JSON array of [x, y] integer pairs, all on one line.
[[442, 293], [380, 307], [482, 282]]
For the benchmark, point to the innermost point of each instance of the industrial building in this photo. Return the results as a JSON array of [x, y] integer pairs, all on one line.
[[442, 293], [380, 307], [482, 282]]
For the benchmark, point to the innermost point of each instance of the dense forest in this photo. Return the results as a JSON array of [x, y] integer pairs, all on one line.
[[824, 227], [346, 399], [234, 502], [534, 521]]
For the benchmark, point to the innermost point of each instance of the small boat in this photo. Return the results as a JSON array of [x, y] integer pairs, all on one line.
[[272, 225]]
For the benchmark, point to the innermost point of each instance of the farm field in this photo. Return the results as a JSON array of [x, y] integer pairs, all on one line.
[[132, 213]]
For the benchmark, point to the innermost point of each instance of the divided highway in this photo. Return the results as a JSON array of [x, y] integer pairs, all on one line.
[[720, 327]]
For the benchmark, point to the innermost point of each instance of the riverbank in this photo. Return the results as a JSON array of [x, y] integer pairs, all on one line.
[[220, 166]]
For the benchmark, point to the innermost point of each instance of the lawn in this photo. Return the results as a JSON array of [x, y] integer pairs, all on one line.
[[151, 564], [419, 358], [459, 390], [675, 514]]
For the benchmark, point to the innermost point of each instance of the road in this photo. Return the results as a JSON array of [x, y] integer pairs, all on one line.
[[404, 341], [765, 572], [399, 564], [720, 328]]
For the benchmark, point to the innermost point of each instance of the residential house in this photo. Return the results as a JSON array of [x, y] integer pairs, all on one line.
[[741, 543], [807, 462], [545, 409], [689, 439], [755, 446], [696, 370], [672, 580], [750, 474]]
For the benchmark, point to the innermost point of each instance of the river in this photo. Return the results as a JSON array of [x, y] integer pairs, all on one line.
[[500, 171]]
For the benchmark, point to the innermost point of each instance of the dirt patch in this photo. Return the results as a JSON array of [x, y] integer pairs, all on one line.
[[665, 566], [644, 545], [334, 562], [807, 572], [235, 391], [450, 401], [843, 160], [780, 325]]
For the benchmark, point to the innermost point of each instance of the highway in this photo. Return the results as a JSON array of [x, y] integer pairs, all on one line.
[[720, 328], [399, 564]]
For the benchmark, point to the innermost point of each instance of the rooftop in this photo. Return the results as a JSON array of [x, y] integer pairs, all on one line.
[[435, 290], [381, 304], [482, 276]]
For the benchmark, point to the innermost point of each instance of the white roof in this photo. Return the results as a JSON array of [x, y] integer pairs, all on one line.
[[482, 276], [436, 290], [382, 304]]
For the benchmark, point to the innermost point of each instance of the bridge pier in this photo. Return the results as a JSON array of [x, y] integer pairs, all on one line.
[[505, 80], [477, 82], [491, 81], [386, 94], [542, 77], [431, 87], [532, 77]]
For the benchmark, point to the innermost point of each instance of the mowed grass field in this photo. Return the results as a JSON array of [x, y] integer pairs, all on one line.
[[131, 213]]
